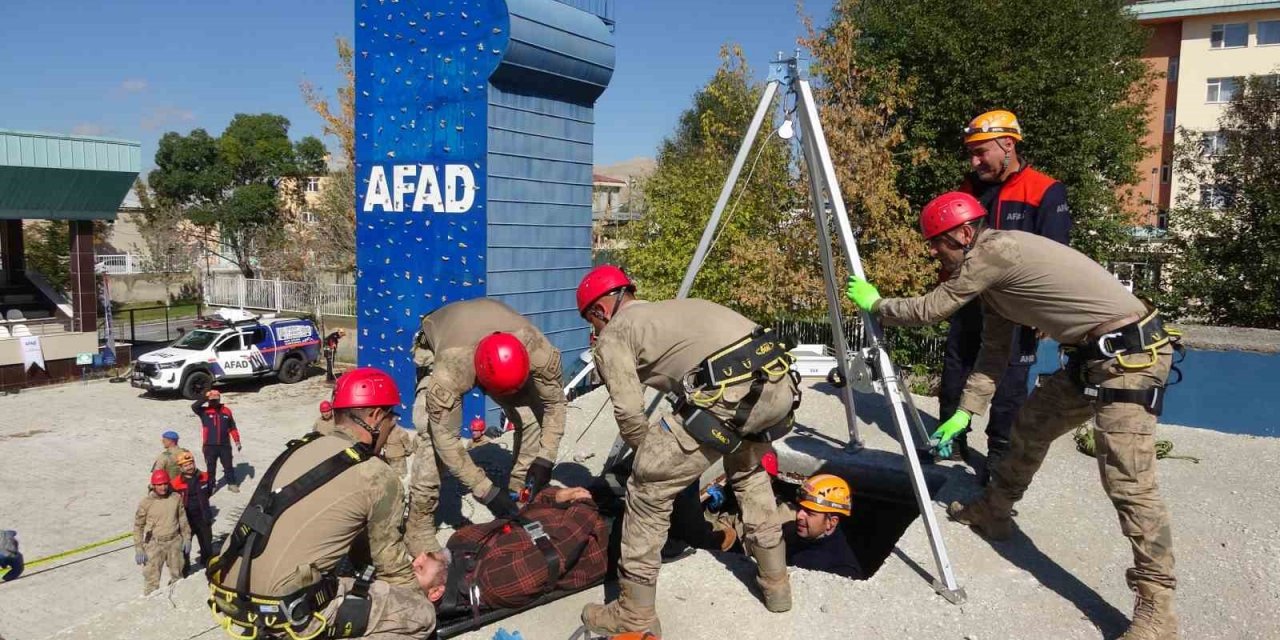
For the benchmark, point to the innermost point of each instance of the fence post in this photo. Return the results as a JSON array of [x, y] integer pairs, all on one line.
[[240, 284], [279, 294], [133, 334]]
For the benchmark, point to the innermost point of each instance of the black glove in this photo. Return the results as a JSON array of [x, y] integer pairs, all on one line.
[[499, 503], [538, 476]]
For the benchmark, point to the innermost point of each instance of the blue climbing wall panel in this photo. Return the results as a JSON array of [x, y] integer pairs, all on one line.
[[474, 127]]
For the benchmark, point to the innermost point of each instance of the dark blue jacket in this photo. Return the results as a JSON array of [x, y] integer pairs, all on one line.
[[1028, 201], [831, 554], [216, 423]]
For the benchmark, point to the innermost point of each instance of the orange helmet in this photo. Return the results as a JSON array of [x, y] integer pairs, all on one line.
[[991, 125], [825, 493], [184, 457]]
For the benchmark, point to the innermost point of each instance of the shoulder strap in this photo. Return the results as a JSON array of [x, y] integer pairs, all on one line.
[[254, 527]]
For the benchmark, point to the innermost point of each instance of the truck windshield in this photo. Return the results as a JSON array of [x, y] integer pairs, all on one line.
[[196, 340]]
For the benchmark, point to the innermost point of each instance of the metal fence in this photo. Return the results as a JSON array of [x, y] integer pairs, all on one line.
[[280, 295]]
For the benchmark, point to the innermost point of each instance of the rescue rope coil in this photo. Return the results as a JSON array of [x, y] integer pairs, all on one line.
[[1085, 444]]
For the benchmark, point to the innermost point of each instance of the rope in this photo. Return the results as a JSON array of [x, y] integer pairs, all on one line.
[[1085, 444]]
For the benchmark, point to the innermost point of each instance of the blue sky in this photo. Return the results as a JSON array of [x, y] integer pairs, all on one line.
[[135, 69]]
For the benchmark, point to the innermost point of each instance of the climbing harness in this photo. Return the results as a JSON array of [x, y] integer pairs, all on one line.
[[271, 616], [1146, 336]]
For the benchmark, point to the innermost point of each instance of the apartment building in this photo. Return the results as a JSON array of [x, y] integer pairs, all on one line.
[[1203, 49]]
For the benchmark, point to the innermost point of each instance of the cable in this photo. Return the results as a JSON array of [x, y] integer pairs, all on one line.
[[729, 216]]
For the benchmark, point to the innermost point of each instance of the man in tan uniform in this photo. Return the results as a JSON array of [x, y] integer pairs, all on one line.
[[486, 343], [733, 393], [168, 458], [399, 447], [324, 422], [1119, 357], [316, 500], [161, 534]]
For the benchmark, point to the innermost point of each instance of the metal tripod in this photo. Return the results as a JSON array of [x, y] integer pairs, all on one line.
[[867, 369]]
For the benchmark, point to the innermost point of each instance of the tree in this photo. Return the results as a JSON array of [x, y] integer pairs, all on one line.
[[1071, 70], [859, 106], [749, 267], [231, 185], [165, 232], [1225, 228], [335, 212]]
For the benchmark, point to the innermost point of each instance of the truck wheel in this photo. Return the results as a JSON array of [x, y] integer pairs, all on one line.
[[196, 384], [292, 370]]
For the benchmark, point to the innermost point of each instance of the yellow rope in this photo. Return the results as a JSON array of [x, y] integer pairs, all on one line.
[[1086, 445]]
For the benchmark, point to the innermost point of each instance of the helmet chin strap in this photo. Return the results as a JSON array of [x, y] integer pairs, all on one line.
[[373, 431]]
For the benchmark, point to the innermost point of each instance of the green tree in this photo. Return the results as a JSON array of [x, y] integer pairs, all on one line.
[[1070, 69], [1225, 228], [750, 267], [231, 185], [335, 212]]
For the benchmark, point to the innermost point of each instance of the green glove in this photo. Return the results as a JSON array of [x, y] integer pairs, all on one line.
[[862, 293], [957, 424]]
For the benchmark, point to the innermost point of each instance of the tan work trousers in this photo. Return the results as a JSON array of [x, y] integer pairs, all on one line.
[[1126, 455]]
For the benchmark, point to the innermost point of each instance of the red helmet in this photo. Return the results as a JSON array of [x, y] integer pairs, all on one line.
[[502, 364], [477, 428], [325, 406], [365, 387], [598, 283], [159, 476], [949, 211]]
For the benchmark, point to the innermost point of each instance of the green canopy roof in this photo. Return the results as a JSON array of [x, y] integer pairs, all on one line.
[[56, 177]]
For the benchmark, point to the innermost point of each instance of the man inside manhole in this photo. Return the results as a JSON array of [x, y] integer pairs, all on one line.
[[811, 525]]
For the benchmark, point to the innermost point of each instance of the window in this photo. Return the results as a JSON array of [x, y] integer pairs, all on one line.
[[1268, 32], [1213, 143], [313, 185], [308, 217], [1214, 197], [1221, 89], [1165, 174], [1226, 36], [231, 343], [1173, 68], [1162, 219], [1168, 120]]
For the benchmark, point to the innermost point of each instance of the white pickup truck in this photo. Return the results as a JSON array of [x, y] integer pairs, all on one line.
[[234, 346]]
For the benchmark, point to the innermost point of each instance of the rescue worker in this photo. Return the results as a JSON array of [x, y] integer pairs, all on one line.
[[733, 393], [399, 447], [168, 458], [1119, 358], [330, 350], [324, 423], [161, 534], [218, 427], [277, 574], [483, 343], [1015, 196], [189, 484], [810, 525]]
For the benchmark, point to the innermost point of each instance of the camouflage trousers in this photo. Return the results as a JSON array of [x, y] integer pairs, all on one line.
[[161, 554], [428, 470], [667, 460], [397, 612], [1126, 455]]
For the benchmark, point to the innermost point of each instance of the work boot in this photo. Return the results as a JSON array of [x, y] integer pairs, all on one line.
[[990, 522], [997, 448], [233, 488], [1153, 616], [728, 536], [773, 579], [634, 610]]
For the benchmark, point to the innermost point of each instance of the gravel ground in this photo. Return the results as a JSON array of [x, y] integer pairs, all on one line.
[[76, 459]]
